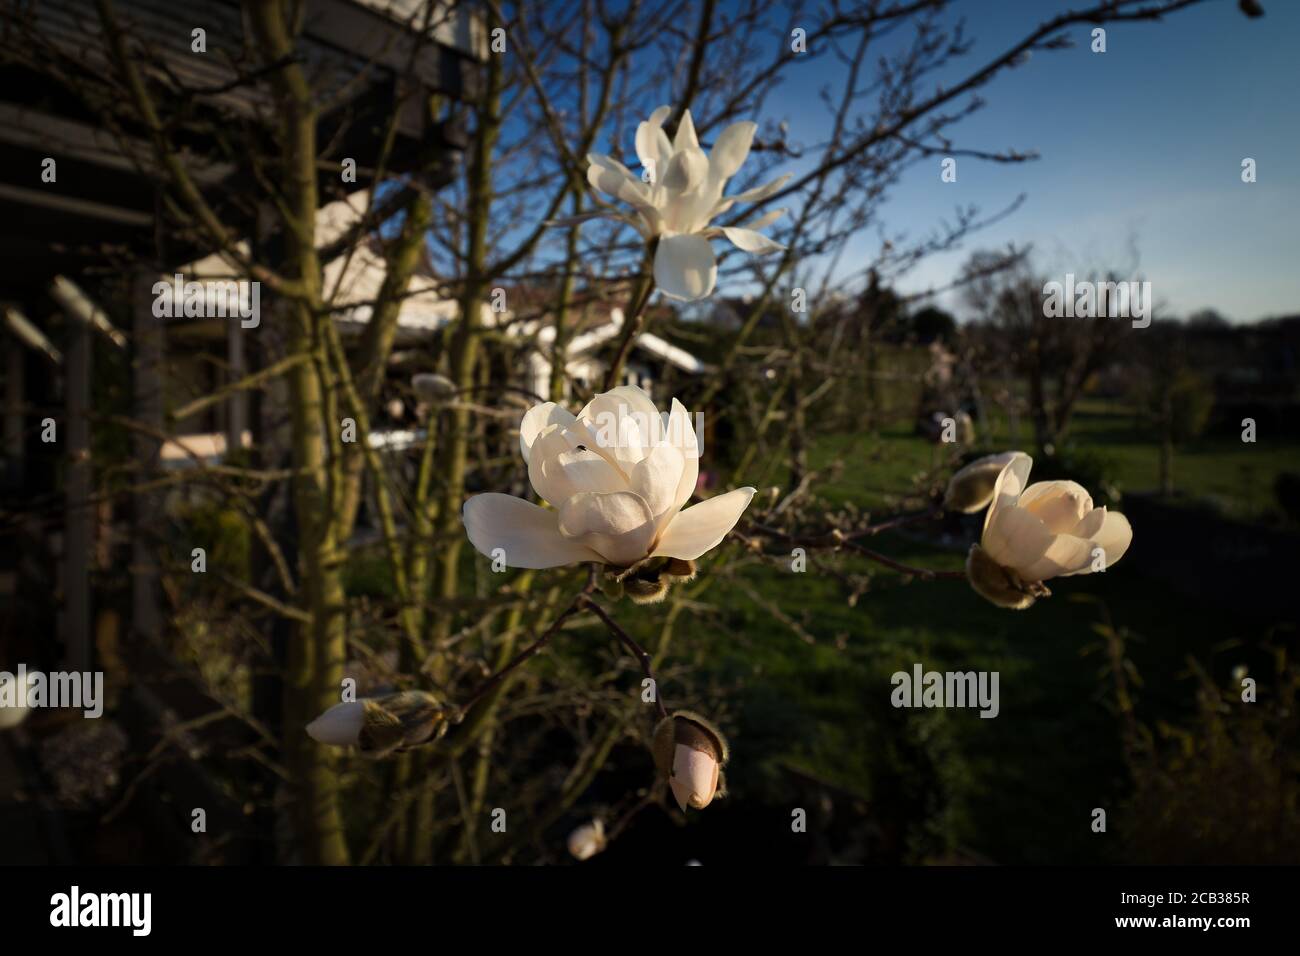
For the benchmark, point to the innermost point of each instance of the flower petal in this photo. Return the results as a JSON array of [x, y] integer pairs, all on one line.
[[685, 267], [545, 471], [701, 527], [1006, 490], [686, 170], [685, 138], [1114, 538], [1059, 504], [623, 400], [528, 536], [656, 477], [1090, 524], [732, 148], [619, 525], [682, 434], [652, 146], [589, 471], [760, 192], [614, 179], [764, 220], [1065, 555], [751, 241], [1014, 538], [536, 419], [624, 422], [971, 488]]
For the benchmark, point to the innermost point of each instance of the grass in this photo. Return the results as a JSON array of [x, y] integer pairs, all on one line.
[[1016, 789]]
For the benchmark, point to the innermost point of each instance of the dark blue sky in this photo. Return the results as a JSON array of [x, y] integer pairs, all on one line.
[[1141, 147]]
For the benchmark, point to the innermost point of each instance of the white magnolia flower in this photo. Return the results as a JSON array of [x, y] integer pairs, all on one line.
[[587, 840], [1033, 533], [971, 489], [683, 195], [617, 477]]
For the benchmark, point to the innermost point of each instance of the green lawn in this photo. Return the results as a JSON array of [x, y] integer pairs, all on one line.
[[1018, 788]]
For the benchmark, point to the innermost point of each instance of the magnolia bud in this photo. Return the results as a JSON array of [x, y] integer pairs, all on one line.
[[383, 725], [690, 752], [971, 488], [1001, 585], [587, 840]]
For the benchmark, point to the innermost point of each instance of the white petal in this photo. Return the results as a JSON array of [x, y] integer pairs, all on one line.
[[1006, 490], [652, 147], [691, 212], [751, 241], [656, 477], [682, 433], [701, 527], [589, 471], [1015, 539], [685, 138], [1066, 555], [618, 525], [685, 267], [686, 170], [582, 436], [1090, 524], [760, 192], [622, 420], [732, 148], [971, 488], [545, 471], [1058, 504], [340, 726], [538, 418], [1114, 538], [614, 179], [623, 400], [764, 220], [529, 536]]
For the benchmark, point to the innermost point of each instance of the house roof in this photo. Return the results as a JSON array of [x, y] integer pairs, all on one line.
[[356, 52], [359, 276]]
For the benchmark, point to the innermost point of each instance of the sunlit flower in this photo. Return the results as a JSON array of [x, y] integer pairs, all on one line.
[[971, 488], [1033, 533], [690, 752], [683, 195], [617, 477], [587, 840]]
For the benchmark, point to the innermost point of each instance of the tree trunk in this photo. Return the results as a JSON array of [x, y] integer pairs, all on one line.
[[315, 660]]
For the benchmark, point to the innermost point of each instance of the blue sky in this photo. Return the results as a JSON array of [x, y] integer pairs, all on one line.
[[1140, 146]]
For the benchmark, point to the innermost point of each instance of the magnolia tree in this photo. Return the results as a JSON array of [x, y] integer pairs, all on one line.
[[595, 515]]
